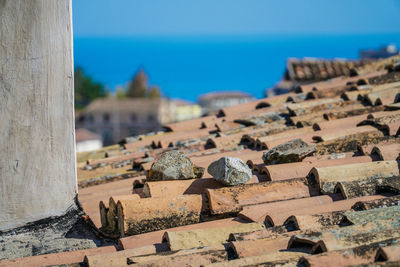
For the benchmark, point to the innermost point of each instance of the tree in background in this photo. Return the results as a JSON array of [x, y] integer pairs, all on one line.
[[120, 93], [139, 87], [86, 90], [154, 93]]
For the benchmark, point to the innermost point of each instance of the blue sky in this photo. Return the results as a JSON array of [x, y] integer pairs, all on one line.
[[230, 17]]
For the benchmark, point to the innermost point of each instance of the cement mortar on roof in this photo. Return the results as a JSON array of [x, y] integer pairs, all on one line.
[[51, 235], [37, 158]]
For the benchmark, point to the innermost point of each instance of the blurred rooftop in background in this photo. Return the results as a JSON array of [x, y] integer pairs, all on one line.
[[205, 51]]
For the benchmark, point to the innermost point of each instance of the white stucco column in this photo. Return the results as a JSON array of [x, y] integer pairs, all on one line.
[[37, 143]]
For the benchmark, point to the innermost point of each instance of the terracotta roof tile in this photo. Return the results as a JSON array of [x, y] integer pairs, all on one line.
[[315, 69], [311, 106], [343, 155], [328, 177], [356, 94], [340, 123], [389, 253], [257, 213], [394, 106], [62, 258], [307, 119], [378, 65], [231, 199], [268, 144], [201, 256], [351, 110], [91, 196], [255, 164], [339, 115], [329, 135], [119, 158], [279, 258], [227, 125], [193, 124], [279, 218], [377, 203], [382, 92], [302, 169], [151, 214], [249, 248], [271, 140], [350, 236], [339, 81], [386, 152], [255, 105], [109, 212], [355, 165], [353, 256], [155, 237], [178, 240], [119, 258], [314, 222]]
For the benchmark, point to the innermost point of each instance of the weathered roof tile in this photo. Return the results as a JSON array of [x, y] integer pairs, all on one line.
[[232, 199], [328, 177]]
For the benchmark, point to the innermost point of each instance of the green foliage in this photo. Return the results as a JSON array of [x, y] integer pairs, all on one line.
[[154, 93], [86, 90], [120, 92], [139, 87]]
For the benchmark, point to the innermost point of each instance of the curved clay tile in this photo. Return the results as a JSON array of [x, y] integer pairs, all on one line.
[[354, 256], [249, 248], [350, 237], [231, 199], [377, 203], [137, 241], [279, 218], [178, 240], [385, 152], [389, 253], [328, 177], [150, 214], [257, 213], [302, 169], [61, 258]]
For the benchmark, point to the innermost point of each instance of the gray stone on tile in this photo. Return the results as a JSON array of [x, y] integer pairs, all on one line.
[[292, 151], [230, 171], [172, 165]]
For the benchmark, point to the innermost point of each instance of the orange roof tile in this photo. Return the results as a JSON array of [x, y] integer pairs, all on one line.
[[339, 115]]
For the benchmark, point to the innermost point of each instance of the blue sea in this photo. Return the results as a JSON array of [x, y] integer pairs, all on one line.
[[186, 67]]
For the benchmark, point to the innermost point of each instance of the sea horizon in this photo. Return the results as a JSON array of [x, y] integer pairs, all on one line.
[[186, 67]]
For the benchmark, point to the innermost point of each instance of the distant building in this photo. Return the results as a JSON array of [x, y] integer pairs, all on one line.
[[384, 52], [211, 103], [115, 119], [185, 110], [87, 141], [310, 70]]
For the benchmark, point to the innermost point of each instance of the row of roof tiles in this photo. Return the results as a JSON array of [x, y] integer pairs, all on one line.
[[305, 212]]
